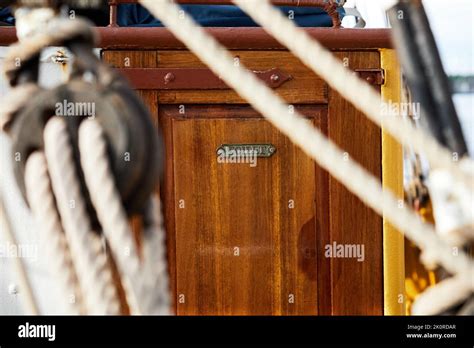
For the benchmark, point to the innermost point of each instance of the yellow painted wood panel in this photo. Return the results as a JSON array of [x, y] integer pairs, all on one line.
[[392, 177]]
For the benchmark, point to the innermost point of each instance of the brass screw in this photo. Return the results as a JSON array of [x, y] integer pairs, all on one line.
[[275, 78], [169, 77]]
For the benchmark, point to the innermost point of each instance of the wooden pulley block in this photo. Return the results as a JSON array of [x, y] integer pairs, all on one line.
[[93, 91], [132, 139]]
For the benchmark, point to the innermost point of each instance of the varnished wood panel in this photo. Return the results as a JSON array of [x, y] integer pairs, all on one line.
[[323, 234], [356, 287], [267, 212], [266, 278]]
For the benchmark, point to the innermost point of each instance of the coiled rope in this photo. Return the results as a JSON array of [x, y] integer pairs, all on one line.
[[310, 139]]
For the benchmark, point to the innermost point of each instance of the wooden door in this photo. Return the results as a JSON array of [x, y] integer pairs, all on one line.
[[246, 236]]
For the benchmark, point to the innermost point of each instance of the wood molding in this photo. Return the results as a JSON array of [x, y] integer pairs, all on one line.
[[232, 38], [392, 178]]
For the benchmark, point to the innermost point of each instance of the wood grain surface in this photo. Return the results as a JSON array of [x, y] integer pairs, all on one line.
[[245, 236], [280, 266], [357, 287]]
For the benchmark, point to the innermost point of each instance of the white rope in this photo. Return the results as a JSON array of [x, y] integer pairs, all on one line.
[[352, 88], [26, 291], [90, 260], [362, 96], [467, 308], [452, 208], [308, 138], [154, 253], [43, 207], [142, 295], [442, 297]]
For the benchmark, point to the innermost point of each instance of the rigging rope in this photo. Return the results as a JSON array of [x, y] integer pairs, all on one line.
[[90, 260], [53, 239], [343, 80], [155, 253], [309, 139], [442, 297], [106, 200]]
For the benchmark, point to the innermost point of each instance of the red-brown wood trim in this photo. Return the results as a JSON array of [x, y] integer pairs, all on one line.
[[7, 36], [232, 38], [168, 198], [192, 78]]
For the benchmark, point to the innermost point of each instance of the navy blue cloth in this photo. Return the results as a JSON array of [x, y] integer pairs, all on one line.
[[222, 16], [6, 16], [207, 16]]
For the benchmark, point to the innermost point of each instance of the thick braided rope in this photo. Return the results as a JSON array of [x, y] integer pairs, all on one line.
[[442, 297], [91, 263], [308, 138], [141, 294], [467, 308], [43, 207], [352, 88], [154, 254]]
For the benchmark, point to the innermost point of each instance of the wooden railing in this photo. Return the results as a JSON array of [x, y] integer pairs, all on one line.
[[114, 37], [232, 38]]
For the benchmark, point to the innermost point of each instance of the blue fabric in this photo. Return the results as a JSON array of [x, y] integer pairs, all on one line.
[[6, 16], [222, 16], [207, 16]]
